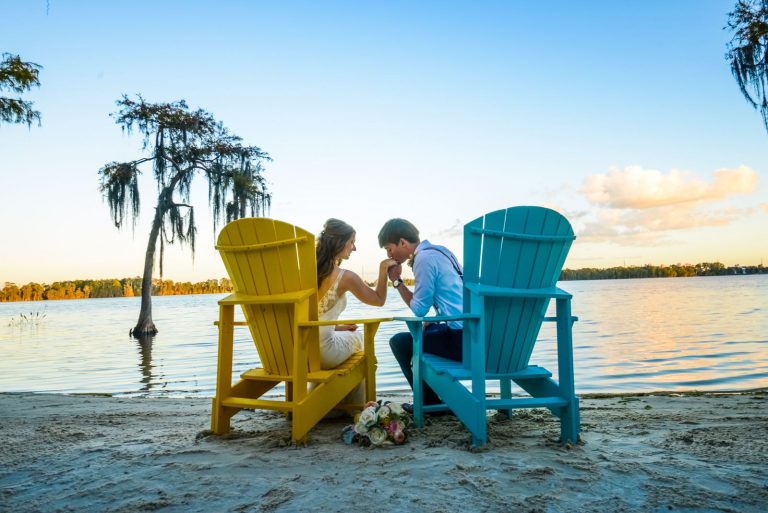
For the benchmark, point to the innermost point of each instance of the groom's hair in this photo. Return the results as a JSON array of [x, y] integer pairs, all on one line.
[[396, 229]]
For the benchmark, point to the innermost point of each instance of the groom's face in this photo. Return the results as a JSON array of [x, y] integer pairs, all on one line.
[[398, 251]]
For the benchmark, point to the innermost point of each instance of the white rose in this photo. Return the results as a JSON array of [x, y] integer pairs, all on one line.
[[384, 411], [377, 435], [361, 428], [396, 409], [368, 417]]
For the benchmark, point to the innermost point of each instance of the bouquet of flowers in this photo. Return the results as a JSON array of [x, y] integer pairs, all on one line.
[[378, 424]]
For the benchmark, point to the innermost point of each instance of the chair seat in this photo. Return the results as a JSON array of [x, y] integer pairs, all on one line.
[[321, 376], [457, 371]]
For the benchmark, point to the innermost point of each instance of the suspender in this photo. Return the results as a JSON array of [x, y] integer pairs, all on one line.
[[451, 257], [455, 263]]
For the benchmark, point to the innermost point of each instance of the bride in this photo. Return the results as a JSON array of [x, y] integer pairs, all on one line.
[[336, 243]]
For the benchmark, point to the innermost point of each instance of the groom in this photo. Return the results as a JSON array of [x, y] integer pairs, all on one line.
[[439, 282]]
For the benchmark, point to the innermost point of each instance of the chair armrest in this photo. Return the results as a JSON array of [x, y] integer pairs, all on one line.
[[574, 318], [308, 324], [286, 297], [489, 290], [439, 318]]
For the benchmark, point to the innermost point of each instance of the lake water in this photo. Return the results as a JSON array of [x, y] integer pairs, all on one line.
[[632, 335]]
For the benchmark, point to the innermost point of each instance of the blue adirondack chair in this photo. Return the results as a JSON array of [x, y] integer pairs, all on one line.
[[512, 260]]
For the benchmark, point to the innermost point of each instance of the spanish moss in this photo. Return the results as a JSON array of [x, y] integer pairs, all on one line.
[[181, 144], [748, 52]]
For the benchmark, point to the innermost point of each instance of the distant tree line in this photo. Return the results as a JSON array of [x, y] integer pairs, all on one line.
[[659, 271], [127, 287]]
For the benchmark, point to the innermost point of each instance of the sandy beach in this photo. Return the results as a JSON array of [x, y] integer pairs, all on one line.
[[670, 452]]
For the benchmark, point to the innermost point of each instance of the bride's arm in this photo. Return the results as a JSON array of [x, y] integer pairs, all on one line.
[[374, 297]]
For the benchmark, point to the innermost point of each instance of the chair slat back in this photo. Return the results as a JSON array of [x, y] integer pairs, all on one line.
[[265, 257], [520, 247]]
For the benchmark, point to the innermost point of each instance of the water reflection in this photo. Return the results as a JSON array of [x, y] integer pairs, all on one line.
[[145, 361], [632, 335], [674, 334]]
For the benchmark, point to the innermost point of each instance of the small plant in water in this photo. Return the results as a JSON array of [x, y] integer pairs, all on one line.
[[33, 319]]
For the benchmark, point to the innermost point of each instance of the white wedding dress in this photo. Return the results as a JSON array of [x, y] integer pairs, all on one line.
[[336, 346]]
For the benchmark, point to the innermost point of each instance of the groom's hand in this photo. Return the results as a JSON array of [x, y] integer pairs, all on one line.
[[346, 327], [395, 271]]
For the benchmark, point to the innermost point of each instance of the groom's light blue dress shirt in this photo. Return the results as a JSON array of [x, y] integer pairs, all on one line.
[[438, 282]]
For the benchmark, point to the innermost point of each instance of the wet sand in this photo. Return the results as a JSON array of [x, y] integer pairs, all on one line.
[[670, 452]]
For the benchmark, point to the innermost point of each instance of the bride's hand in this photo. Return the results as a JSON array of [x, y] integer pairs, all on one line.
[[395, 271], [346, 327], [388, 263]]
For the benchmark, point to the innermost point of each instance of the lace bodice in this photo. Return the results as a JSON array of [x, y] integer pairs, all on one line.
[[331, 304]]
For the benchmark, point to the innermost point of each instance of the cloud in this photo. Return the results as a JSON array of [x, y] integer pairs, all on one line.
[[638, 188], [638, 207], [764, 206], [678, 217], [455, 230], [650, 226]]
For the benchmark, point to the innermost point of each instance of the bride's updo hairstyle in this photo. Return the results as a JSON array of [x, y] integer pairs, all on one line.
[[335, 235]]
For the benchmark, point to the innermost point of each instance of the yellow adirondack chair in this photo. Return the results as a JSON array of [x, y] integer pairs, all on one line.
[[274, 273]]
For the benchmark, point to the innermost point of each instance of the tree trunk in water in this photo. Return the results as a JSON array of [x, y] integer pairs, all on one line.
[[145, 326]]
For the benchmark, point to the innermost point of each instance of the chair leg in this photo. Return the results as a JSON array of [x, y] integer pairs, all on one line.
[[300, 427], [506, 393], [370, 389], [220, 417], [478, 442], [570, 422], [478, 427], [416, 329], [418, 402]]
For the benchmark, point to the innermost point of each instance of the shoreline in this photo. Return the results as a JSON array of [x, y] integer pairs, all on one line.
[[639, 452], [403, 392], [406, 396], [408, 281]]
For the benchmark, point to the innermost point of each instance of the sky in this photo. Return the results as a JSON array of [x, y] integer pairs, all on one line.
[[623, 116]]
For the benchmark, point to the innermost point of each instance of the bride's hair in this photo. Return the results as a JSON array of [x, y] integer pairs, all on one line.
[[335, 235]]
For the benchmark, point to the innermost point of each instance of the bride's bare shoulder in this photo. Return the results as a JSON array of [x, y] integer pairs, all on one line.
[[349, 278]]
